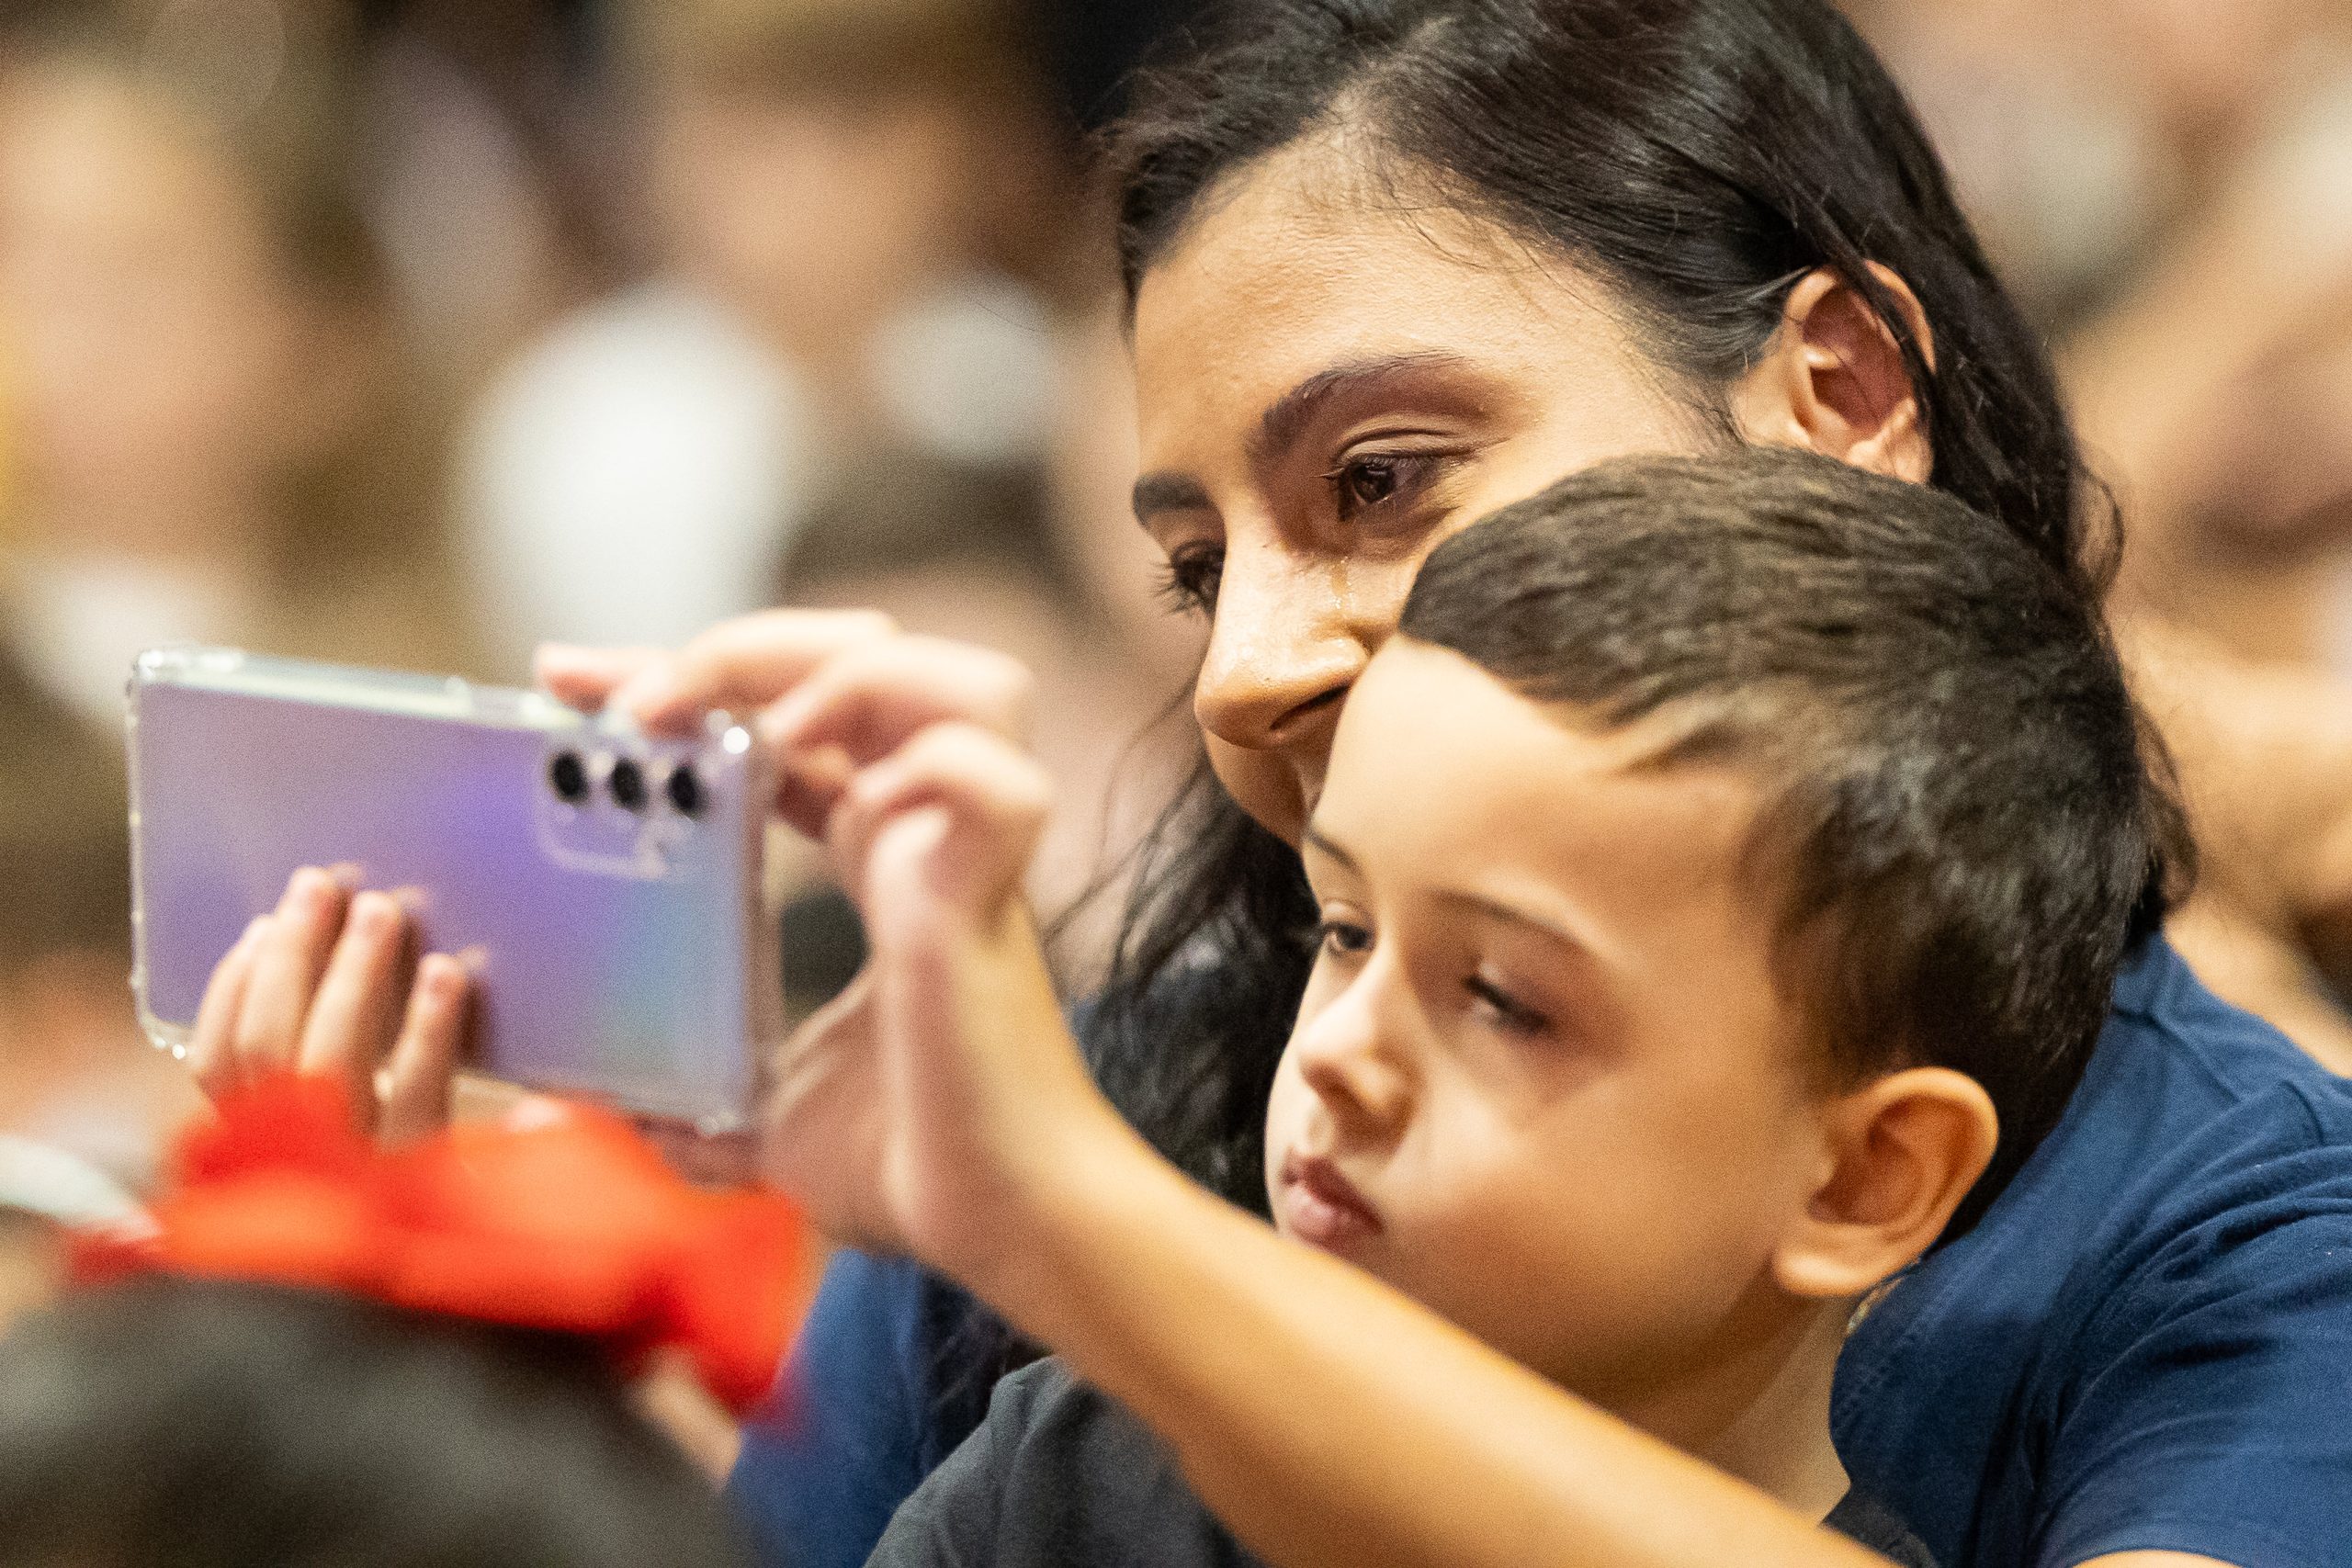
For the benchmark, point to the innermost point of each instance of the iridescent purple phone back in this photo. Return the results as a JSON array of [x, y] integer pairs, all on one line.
[[615, 917]]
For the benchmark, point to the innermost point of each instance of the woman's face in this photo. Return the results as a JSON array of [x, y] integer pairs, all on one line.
[[1331, 380]]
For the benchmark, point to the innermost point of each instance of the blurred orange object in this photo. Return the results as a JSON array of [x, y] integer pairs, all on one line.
[[559, 1218]]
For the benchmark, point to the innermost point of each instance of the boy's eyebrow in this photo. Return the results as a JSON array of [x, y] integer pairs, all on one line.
[[1513, 915], [1317, 840], [1510, 913]]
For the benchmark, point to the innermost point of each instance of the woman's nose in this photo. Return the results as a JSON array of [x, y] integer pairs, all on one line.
[[1280, 657]]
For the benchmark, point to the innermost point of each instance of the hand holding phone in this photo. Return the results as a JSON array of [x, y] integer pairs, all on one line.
[[330, 983], [603, 885]]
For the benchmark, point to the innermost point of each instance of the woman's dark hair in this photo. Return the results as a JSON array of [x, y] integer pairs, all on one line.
[[189, 1424], [1701, 157]]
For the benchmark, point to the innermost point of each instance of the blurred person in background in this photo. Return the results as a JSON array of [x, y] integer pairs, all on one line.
[[2170, 182], [208, 398], [44, 1192], [207, 415], [308, 1351], [485, 164], [858, 374], [854, 208], [2093, 138], [992, 557], [200, 1423], [76, 1076]]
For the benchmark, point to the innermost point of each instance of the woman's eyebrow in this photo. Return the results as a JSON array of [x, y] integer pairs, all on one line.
[[1155, 493], [1288, 417]]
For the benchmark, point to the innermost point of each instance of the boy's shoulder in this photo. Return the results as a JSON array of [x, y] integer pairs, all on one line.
[[1058, 1474], [2178, 1253]]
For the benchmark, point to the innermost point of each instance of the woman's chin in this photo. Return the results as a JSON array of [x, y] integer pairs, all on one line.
[[1270, 789]]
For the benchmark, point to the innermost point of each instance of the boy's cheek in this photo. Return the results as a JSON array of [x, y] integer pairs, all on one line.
[[1287, 1109]]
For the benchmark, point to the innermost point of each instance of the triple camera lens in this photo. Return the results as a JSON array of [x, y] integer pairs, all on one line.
[[568, 776], [574, 784], [686, 790], [627, 783]]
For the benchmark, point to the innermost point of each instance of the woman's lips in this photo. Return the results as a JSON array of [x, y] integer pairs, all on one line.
[[1321, 1207]]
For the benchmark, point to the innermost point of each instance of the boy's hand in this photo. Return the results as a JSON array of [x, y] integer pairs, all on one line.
[[328, 982], [925, 1110]]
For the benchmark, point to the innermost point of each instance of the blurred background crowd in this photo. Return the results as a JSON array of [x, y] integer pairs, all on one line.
[[414, 332]]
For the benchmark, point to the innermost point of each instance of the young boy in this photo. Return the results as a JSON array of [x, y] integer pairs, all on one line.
[[1723, 875]]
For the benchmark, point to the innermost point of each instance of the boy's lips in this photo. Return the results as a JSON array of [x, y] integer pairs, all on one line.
[[1321, 1207]]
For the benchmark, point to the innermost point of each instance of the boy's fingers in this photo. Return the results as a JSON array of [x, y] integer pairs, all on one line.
[[418, 1075], [357, 1008], [744, 663], [809, 786], [869, 699], [585, 678], [211, 1053], [288, 961]]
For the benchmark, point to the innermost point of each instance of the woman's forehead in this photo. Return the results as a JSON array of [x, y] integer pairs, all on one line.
[[1297, 264]]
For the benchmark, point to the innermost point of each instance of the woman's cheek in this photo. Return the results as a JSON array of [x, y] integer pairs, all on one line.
[[1264, 784]]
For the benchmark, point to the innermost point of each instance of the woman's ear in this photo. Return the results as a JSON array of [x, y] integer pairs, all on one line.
[[1904, 1151], [1833, 380]]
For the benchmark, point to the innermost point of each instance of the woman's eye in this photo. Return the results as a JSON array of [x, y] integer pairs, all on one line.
[[1343, 937], [1506, 1009], [1362, 483], [1189, 579]]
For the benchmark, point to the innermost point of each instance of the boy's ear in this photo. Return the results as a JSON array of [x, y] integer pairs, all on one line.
[[1904, 1151], [1833, 379]]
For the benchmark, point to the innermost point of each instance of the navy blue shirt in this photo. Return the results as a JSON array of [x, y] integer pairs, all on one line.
[[2146, 1344], [858, 1422]]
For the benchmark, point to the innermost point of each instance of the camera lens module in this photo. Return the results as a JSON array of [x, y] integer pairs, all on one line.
[[686, 790], [626, 781], [568, 776]]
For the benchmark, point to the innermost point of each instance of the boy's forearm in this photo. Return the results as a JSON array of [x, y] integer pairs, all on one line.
[[1329, 1420]]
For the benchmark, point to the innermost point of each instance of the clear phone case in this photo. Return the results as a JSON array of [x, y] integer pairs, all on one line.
[[605, 886]]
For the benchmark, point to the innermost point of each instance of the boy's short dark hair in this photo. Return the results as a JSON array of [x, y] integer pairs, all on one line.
[[1965, 827], [195, 1422]]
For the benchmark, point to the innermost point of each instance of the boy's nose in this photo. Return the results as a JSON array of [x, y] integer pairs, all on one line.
[[1348, 1058]]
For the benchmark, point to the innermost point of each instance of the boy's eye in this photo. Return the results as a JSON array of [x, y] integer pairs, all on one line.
[[1188, 581], [1508, 1011], [1343, 937]]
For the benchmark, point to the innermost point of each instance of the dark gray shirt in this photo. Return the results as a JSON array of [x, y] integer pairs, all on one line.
[[1059, 1476]]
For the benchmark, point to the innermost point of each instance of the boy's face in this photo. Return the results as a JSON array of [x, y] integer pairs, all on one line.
[[1542, 1080]]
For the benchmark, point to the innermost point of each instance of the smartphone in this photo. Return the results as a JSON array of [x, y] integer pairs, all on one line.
[[605, 885]]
